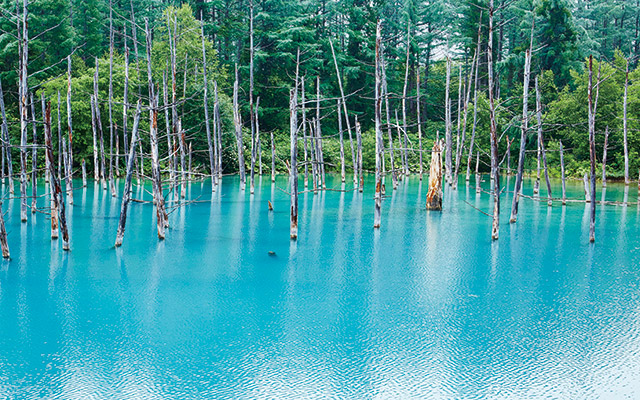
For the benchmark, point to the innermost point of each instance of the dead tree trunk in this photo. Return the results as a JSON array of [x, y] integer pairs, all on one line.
[[293, 168], [304, 134], [478, 188], [593, 106], [70, 128], [378, 124], [359, 136], [464, 120], [523, 136], [162, 218], [23, 89], [434, 195], [447, 122], [405, 158], [169, 131], [257, 126], [318, 131], [34, 160], [55, 183], [183, 167], [341, 134], [419, 122], [273, 158], [84, 174], [458, 144], [394, 176], [475, 101], [126, 194], [624, 125], [218, 122], [541, 141], [6, 140], [604, 157], [238, 129], [253, 133], [564, 187], [3, 235], [346, 115], [495, 171], [53, 204]]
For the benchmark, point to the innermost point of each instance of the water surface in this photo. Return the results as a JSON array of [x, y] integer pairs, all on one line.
[[426, 307]]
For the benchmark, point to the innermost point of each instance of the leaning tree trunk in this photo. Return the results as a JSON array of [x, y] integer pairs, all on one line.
[[341, 135], [126, 194], [378, 124], [434, 195], [57, 192], [293, 168]]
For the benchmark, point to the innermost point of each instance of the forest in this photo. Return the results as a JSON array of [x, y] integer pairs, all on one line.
[[558, 80]]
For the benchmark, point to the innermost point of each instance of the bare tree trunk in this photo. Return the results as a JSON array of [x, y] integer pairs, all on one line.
[[251, 111], [3, 235], [57, 192], [218, 119], [346, 115], [464, 120], [378, 124], [126, 194], [359, 136], [405, 158], [60, 141], [96, 167], [183, 151], [458, 144], [53, 204], [564, 187], [24, 120], [162, 218], [419, 122], [293, 171], [70, 128], [447, 122], [319, 137], [6, 140], [34, 160], [523, 134], [97, 124], [475, 101], [593, 105], [541, 141], [536, 185], [125, 101], [624, 125], [206, 108], [257, 126], [394, 176], [238, 130], [341, 134], [478, 188], [273, 159], [168, 124], [84, 174], [434, 195], [604, 157], [304, 134], [495, 229], [112, 184]]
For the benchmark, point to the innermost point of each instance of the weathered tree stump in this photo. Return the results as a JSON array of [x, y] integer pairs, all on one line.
[[434, 195]]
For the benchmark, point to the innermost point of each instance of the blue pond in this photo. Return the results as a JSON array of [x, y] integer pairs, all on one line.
[[426, 307]]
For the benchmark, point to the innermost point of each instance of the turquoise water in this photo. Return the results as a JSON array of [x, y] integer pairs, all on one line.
[[426, 307]]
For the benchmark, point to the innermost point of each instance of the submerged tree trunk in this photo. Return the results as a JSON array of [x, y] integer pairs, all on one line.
[[420, 167], [478, 188], [405, 158], [541, 141], [359, 137], [293, 168], [23, 89], [126, 194], [206, 110], [523, 136], [162, 218], [34, 160], [238, 129], [593, 106], [434, 195], [273, 159], [475, 102], [564, 187], [495, 171], [447, 122], [6, 141], [378, 126], [55, 184], [394, 176], [604, 157], [341, 135], [624, 125]]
